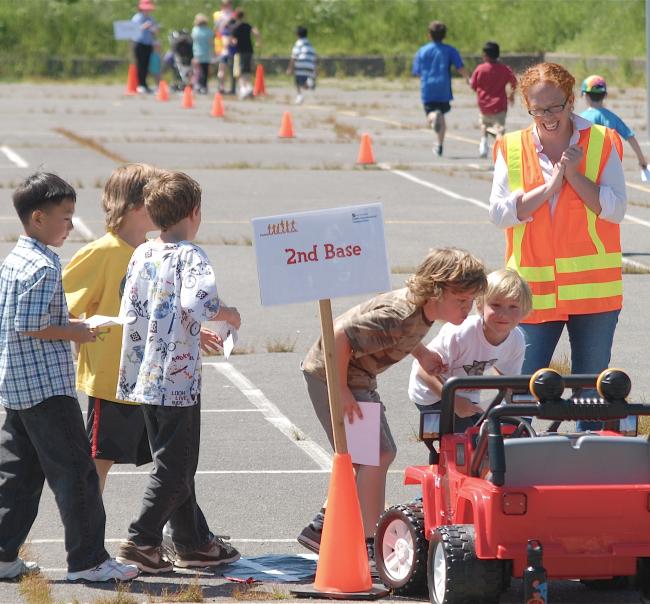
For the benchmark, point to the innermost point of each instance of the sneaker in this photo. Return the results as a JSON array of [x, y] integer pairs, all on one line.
[[299, 99], [109, 570], [214, 553], [310, 537], [147, 558], [17, 568], [437, 150], [483, 148]]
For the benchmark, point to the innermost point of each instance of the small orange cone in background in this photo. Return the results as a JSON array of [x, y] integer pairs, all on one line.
[[163, 91], [366, 156], [132, 81], [286, 127], [188, 98], [259, 88], [217, 106]]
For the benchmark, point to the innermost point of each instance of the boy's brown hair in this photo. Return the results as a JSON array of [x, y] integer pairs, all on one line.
[[170, 197], [446, 268], [437, 31], [123, 192]]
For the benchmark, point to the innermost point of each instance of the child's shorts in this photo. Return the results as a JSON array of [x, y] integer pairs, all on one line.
[[308, 82], [317, 390], [436, 106], [117, 432], [495, 123]]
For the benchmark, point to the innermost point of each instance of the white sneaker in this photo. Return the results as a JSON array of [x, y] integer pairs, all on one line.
[[299, 99], [109, 570], [17, 568], [483, 148], [141, 90]]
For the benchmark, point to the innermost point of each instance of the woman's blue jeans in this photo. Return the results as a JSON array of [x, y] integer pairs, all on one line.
[[591, 337]]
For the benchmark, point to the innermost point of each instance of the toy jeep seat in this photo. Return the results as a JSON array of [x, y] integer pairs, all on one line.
[[589, 459]]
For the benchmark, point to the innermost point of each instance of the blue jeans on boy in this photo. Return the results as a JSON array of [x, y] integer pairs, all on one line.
[[48, 441], [174, 435], [591, 337]]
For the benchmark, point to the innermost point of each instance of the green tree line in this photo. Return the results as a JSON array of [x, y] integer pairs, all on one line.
[[32, 31]]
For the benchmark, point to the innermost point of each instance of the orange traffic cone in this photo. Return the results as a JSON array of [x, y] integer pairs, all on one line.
[[163, 91], [259, 88], [217, 106], [132, 81], [343, 558], [286, 127], [366, 156], [188, 98]]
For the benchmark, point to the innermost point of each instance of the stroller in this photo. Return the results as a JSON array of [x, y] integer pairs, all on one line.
[[180, 58]]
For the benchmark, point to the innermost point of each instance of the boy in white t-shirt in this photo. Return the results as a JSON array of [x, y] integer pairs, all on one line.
[[489, 340], [170, 289]]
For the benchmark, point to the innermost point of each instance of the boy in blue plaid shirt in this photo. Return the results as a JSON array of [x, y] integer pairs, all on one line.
[[42, 435]]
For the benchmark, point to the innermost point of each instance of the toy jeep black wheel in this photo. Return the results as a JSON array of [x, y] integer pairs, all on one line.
[[455, 574], [401, 550]]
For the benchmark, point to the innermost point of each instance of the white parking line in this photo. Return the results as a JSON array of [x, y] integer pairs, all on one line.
[[81, 227], [13, 157], [274, 416], [485, 206]]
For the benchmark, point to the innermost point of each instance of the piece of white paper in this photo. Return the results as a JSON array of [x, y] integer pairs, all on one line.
[[125, 30], [228, 335], [645, 175], [106, 321], [229, 343], [363, 434]]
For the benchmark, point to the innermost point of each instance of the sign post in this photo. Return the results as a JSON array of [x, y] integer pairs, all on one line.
[[317, 256]]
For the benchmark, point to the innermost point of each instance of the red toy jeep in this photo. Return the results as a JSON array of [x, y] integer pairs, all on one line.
[[496, 496]]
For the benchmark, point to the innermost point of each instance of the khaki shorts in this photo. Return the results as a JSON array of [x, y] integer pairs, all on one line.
[[494, 123], [317, 390]]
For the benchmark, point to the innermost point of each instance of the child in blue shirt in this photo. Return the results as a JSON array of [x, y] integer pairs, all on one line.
[[594, 89]]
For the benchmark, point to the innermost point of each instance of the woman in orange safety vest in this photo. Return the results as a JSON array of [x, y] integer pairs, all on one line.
[[559, 193]]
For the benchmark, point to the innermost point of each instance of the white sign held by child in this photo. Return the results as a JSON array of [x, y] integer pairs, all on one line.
[[321, 254], [362, 434]]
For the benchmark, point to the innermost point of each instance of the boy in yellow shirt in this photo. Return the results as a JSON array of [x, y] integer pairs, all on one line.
[[93, 282]]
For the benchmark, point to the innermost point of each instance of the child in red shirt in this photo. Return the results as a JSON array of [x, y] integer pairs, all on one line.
[[495, 85]]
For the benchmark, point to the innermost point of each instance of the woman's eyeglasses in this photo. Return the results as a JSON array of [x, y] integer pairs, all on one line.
[[552, 109]]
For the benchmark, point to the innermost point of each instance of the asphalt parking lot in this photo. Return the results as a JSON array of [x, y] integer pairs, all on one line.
[[264, 458]]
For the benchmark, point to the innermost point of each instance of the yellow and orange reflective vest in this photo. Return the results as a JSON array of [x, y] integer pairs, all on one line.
[[571, 260]]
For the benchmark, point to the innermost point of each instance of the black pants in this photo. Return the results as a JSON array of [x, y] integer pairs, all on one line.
[[204, 70], [142, 54], [49, 442], [174, 436]]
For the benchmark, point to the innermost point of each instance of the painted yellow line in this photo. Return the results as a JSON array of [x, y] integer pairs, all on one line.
[[637, 187]]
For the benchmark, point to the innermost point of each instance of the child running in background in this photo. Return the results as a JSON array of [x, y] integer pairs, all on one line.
[[302, 64], [94, 283], [495, 85], [170, 289], [42, 434], [594, 89], [373, 336], [488, 340], [432, 64]]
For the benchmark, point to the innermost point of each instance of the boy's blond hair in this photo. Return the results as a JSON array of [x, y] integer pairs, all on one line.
[[446, 268], [171, 197], [123, 192], [509, 284]]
